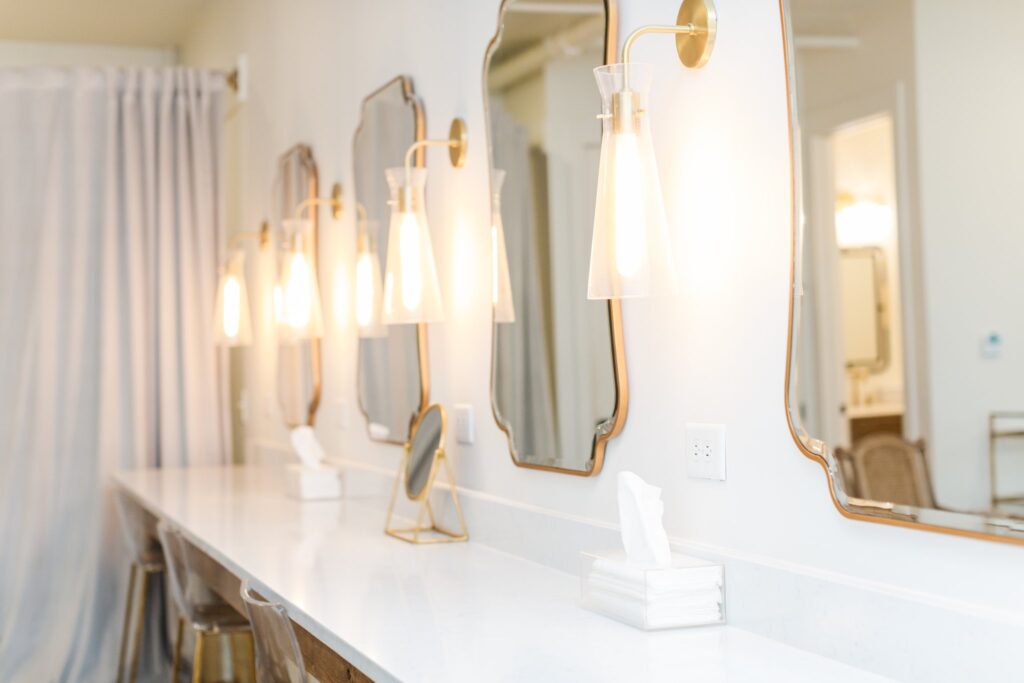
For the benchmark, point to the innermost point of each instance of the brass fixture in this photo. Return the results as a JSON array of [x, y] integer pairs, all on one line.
[[695, 30], [457, 144], [423, 456], [334, 201]]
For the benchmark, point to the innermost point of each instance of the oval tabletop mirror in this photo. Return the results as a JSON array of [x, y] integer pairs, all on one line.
[[425, 446], [904, 369], [558, 376], [298, 355], [393, 380]]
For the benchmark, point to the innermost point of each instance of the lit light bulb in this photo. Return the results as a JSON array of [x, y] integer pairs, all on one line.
[[364, 289], [232, 317], [628, 205], [409, 245], [298, 293]]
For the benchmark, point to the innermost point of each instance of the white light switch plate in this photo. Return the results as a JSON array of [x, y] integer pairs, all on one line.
[[465, 430], [705, 451]]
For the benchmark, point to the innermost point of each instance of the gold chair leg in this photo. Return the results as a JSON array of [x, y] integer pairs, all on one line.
[[139, 623], [197, 659], [176, 665], [127, 623]]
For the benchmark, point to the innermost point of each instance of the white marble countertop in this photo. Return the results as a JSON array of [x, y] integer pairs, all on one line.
[[450, 612]]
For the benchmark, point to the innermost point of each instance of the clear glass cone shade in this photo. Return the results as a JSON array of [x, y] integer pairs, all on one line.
[[501, 282], [411, 290], [232, 324], [297, 296], [630, 255], [369, 288]]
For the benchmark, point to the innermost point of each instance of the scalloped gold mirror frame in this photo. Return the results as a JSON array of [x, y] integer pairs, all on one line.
[[417, 110], [972, 525], [618, 348], [302, 156]]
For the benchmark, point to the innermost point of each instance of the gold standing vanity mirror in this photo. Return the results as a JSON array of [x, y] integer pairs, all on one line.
[[422, 461], [297, 314], [906, 347], [393, 375], [558, 369]]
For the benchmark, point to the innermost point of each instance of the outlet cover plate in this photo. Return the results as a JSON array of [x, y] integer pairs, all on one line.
[[465, 429], [705, 451]]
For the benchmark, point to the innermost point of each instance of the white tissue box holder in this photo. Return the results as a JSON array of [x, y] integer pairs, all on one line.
[[691, 592], [313, 483]]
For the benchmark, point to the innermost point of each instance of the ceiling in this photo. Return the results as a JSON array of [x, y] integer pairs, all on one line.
[[138, 23]]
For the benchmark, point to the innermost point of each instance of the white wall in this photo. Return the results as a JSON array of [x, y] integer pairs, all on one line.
[[21, 53], [716, 353], [970, 140]]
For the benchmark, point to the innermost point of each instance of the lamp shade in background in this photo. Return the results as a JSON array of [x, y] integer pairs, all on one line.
[[232, 323], [501, 281], [411, 290], [297, 294], [369, 286], [631, 253]]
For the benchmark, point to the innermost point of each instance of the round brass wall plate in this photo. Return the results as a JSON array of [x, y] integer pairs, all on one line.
[[458, 138], [695, 49]]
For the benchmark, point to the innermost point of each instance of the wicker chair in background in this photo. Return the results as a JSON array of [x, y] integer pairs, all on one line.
[[886, 467]]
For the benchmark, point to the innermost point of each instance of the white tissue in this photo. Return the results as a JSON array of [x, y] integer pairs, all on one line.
[[640, 513], [309, 450]]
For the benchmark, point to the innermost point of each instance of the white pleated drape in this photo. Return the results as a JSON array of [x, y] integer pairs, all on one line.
[[110, 232]]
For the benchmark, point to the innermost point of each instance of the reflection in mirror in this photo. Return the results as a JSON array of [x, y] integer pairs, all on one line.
[[426, 441], [393, 379], [907, 278], [298, 355], [558, 381]]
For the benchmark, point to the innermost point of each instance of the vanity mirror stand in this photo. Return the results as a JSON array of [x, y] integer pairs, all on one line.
[[422, 458]]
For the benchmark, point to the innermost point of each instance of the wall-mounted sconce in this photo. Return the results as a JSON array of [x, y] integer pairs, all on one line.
[[411, 290], [630, 254], [232, 322], [369, 298], [297, 308], [501, 281]]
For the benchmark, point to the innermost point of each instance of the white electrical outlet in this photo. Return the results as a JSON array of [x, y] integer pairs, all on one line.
[[465, 430], [705, 451]]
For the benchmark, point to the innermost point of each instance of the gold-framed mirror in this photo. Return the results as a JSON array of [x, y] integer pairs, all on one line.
[[558, 371], [901, 376], [423, 459], [298, 358], [393, 371]]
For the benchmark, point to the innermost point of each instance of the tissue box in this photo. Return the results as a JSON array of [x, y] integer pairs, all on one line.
[[313, 483], [691, 592]]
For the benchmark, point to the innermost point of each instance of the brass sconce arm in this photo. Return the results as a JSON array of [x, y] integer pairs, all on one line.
[[695, 30], [263, 235], [457, 144], [334, 201]]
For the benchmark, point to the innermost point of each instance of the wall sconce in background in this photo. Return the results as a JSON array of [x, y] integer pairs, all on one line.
[[862, 222], [369, 299], [501, 282], [232, 321], [297, 308], [300, 315], [631, 253], [411, 290]]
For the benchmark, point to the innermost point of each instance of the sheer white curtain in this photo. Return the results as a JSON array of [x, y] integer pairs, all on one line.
[[110, 232]]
